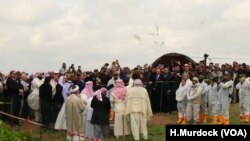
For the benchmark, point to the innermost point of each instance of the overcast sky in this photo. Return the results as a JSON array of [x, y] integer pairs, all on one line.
[[39, 35]]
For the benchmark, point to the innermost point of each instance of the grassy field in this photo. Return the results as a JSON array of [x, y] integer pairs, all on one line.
[[156, 127]]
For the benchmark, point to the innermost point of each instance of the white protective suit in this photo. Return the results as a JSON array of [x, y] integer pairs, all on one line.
[[213, 90], [244, 99], [204, 99], [194, 101], [224, 100], [181, 98]]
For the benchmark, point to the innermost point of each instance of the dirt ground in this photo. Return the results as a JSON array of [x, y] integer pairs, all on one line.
[[164, 118]]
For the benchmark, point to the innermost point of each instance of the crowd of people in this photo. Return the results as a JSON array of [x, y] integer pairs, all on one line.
[[86, 102]]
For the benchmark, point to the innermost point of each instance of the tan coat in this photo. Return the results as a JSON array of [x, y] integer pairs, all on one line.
[[194, 96], [74, 114], [138, 102]]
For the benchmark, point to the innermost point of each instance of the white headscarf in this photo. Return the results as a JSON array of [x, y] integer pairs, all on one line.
[[61, 80]]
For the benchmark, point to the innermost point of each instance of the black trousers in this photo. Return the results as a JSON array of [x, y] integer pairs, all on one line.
[[13, 108], [46, 112]]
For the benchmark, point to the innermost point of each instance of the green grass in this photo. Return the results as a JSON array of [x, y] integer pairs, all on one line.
[[156, 132], [7, 134]]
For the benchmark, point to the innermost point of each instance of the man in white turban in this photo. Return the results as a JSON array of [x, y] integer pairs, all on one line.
[[74, 114]]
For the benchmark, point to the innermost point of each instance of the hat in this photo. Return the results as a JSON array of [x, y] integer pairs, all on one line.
[[201, 77], [242, 75], [47, 75], [195, 79], [39, 73], [227, 75], [138, 82], [89, 83], [74, 89], [213, 78], [119, 81]]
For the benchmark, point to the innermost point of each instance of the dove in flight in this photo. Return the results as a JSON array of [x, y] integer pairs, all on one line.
[[156, 33], [138, 38], [159, 44]]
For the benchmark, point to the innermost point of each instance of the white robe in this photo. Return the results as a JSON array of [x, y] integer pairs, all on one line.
[[121, 125], [66, 91], [33, 98], [74, 109], [89, 128], [87, 116], [138, 108], [61, 119]]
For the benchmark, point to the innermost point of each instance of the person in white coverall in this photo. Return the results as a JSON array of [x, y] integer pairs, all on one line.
[[213, 90], [181, 98], [204, 97], [194, 101], [244, 98], [224, 99]]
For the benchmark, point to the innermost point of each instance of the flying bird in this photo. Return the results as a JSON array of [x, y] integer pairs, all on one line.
[[156, 33], [138, 38], [159, 44]]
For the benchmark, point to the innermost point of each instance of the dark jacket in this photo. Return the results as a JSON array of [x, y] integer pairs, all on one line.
[[12, 87], [101, 111], [58, 97], [45, 92]]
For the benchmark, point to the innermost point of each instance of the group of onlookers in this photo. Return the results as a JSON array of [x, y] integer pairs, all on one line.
[[195, 90]]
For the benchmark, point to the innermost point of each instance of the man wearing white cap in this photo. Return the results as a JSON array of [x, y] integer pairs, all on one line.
[[194, 101], [74, 114], [138, 109]]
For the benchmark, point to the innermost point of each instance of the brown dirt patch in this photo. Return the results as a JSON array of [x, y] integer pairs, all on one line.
[[163, 118]]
